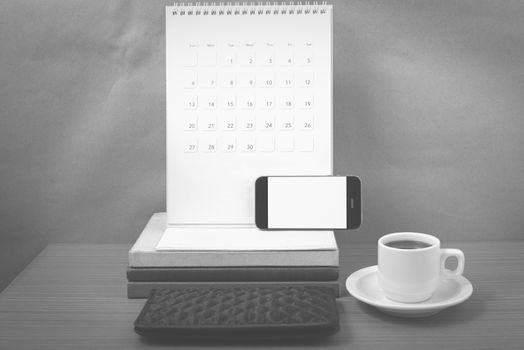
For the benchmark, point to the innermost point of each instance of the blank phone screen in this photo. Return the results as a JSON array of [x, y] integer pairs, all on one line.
[[307, 202]]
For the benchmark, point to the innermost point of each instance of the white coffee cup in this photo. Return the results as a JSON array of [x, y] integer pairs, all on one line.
[[410, 272]]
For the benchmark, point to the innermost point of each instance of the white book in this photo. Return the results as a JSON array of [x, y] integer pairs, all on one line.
[[244, 238], [231, 249]]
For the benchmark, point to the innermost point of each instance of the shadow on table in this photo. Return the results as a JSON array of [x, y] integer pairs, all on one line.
[[319, 342], [466, 312]]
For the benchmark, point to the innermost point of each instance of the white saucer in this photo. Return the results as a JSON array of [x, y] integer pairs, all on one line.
[[363, 285]]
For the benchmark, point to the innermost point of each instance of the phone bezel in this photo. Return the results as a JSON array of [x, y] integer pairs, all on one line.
[[353, 204]]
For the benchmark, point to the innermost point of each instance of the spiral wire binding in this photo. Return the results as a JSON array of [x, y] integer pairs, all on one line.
[[249, 8]]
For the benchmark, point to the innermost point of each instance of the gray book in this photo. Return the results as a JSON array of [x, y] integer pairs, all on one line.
[[139, 290], [232, 274], [144, 253]]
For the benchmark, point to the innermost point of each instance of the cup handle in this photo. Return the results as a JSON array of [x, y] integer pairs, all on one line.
[[444, 255]]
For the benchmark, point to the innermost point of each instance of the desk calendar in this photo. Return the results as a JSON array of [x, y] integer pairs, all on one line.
[[249, 93]]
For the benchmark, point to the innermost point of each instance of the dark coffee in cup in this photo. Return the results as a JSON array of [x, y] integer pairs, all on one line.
[[408, 244]]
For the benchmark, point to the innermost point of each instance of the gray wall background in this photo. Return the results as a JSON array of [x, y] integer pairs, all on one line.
[[428, 109]]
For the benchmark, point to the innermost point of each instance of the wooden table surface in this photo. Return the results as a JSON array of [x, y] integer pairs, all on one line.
[[73, 296]]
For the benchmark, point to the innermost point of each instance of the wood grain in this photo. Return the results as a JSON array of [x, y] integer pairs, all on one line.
[[73, 296]]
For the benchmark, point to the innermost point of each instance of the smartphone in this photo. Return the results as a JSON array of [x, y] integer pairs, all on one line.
[[308, 202]]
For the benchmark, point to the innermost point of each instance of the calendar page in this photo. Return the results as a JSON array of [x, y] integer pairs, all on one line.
[[249, 94]]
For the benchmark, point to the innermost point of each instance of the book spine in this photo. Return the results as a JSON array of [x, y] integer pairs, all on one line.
[[232, 274], [226, 259], [140, 290]]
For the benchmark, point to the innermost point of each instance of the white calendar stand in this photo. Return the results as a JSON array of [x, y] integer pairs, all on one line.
[[248, 93]]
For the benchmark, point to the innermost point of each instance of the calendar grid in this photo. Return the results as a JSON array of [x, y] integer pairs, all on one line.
[[248, 95]]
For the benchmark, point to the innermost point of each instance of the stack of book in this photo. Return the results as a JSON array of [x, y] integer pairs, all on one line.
[[235, 256]]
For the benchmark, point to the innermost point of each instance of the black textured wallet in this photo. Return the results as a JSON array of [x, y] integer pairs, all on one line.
[[246, 312]]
